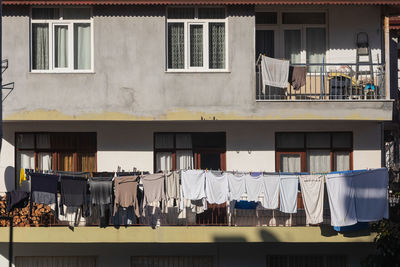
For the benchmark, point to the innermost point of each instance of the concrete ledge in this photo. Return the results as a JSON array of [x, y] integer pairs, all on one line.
[[180, 235]]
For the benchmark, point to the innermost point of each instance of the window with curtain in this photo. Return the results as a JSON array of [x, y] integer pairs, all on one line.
[[196, 38], [61, 39], [314, 152], [56, 151], [179, 150]]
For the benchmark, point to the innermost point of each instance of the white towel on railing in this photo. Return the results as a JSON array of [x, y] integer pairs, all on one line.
[[288, 187], [275, 72], [217, 189], [237, 186], [254, 187], [271, 191], [312, 191]]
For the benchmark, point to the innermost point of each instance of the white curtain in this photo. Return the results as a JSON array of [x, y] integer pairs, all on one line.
[[61, 46], [196, 45], [45, 161], [184, 159], [40, 46], [293, 45], [216, 45], [25, 160], [290, 163], [82, 46], [163, 161], [176, 46], [183, 141], [319, 161], [342, 161], [316, 46], [43, 140], [55, 261]]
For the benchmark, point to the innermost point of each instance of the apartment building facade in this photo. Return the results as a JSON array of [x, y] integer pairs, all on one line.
[[165, 85]]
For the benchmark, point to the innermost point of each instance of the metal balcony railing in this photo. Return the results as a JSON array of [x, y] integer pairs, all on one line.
[[329, 82]]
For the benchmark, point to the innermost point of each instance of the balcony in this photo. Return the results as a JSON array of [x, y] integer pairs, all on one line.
[[329, 82]]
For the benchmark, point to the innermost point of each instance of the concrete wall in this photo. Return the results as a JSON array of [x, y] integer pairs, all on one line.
[[130, 82], [250, 145], [228, 254]]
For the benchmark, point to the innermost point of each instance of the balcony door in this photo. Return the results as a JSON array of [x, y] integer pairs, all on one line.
[[265, 42]]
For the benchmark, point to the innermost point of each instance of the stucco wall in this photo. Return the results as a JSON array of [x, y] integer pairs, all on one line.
[[130, 82], [250, 145]]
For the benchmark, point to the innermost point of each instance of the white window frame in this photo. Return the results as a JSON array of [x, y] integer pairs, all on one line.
[[205, 23], [70, 23], [279, 29]]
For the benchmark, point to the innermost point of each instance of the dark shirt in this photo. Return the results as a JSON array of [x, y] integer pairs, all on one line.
[[73, 192], [16, 199]]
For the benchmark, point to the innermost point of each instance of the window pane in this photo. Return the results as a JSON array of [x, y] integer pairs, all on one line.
[[316, 46], [342, 161], [183, 141], [163, 161], [290, 163], [45, 13], [76, 13], [176, 46], [293, 45], [86, 162], [45, 161], [65, 162], [180, 13], [26, 141], [303, 18], [43, 141], [82, 46], [265, 43], [164, 141], [318, 140], [211, 13], [266, 18], [40, 46], [217, 45], [318, 161], [196, 45], [25, 160], [290, 140], [61, 46], [342, 140], [184, 159]]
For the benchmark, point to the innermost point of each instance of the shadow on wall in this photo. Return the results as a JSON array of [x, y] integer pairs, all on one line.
[[265, 236], [9, 179]]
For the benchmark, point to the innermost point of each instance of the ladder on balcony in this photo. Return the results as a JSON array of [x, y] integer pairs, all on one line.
[[364, 50]]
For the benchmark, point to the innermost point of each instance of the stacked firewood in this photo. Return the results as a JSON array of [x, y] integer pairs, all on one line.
[[41, 215]]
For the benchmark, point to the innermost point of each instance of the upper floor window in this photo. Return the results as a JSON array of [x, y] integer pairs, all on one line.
[[61, 39], [296, 36], [196, 38]]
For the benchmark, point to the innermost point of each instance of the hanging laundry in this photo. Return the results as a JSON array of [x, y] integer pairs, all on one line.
[[16, 199], [74, 194], [371, 195], [101, 197], [341, 198], [126, 190], [254, 186], [288, 187], [45, 186], [217, 190], [22, 176], [275, 72], [271, 191], [237, 185], [297, 77], [153, 185], [172, 186], [312, 191], [193, 184]]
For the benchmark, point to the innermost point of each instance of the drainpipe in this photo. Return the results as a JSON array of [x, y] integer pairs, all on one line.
[[1, 74], [387, 55]]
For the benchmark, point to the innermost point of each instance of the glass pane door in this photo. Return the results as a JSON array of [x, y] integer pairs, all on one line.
[[210, 160], [292, 43], [290, 162], [265, 43]]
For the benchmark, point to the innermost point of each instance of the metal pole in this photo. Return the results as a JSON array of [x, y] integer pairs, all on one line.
[[1, 73]]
